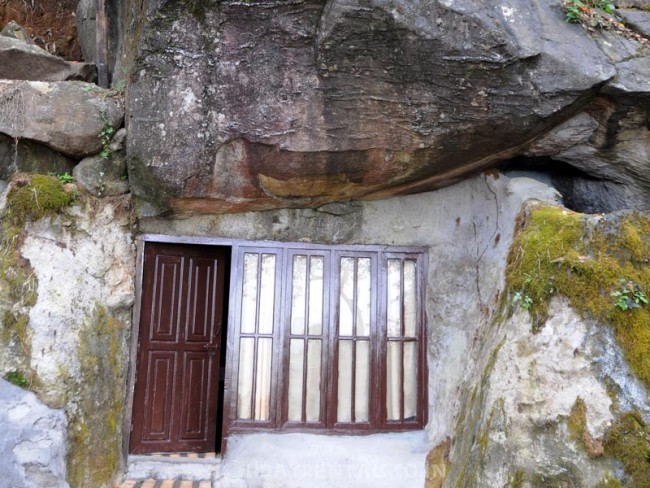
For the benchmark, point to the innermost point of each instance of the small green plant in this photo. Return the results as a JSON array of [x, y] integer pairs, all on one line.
[[105, 135], [523, 300], [63, 177], [629, 296], [16, 378], [593, 13]]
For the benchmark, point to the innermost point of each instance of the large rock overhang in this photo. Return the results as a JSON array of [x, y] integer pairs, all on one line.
[[237, 106]]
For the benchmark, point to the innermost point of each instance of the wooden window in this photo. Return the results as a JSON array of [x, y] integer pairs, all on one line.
[[328, 338]]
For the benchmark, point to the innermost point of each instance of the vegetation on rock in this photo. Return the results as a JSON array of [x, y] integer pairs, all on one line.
[[559, 252]]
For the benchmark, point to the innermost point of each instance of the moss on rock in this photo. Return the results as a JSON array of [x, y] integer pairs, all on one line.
[[628, 440], [94, 450], [559, 252]]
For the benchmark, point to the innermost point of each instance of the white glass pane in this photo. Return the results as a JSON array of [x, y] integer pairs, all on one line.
[[410, 299], [344, 406], [363, 297], [346, 297], [249, 293], [410, 380], [362, 381], [245, 381], [313, 380], [267, 294], [316, 295], [298, 290], [263, 376], [394, 389], [296, 357], [393, 298]]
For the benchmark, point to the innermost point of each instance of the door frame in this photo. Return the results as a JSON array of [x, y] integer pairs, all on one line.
[[140, 242]]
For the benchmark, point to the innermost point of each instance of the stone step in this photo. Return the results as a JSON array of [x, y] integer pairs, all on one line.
[[152, 483], [191, 467]]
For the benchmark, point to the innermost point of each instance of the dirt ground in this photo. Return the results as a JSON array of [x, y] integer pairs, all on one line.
[[51, 24]]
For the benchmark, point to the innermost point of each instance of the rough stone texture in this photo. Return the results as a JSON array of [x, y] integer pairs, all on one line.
[[105, 176], [22, 61], [13, 30], [518, 415], [609, 140], [296, 103], [33, 441], [639, 20], [27, 156], [65, 116], [77, 330]]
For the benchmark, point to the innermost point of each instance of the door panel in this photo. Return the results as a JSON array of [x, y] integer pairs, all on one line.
[[177, 377]]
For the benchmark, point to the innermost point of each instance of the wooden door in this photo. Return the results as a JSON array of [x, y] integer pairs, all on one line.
[[177, 379]]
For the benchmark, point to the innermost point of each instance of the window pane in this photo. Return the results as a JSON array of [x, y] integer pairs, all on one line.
[[245, 382], [298, 289], [249, 293], [410, 380], [316, 295], [363, 297], [296, 357], [346, 297], [394, 389], [362, 382], [344, 406], [263, 377], [313, 380], [393, 298], [410, 299], [267, 294]]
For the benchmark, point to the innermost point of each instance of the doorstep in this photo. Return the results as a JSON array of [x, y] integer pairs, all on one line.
[[191, 467], [151, 483]]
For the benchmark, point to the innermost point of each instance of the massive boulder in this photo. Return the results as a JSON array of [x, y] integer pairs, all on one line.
[[243, 105], [22, 61], [65, 116]]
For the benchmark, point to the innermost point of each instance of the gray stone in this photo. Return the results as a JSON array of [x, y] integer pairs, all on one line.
[[86, 30], [22, 61], [14, 30], [29, 156], [102, 176], [639, 20], [291, 104], [33, 441], [65, 116]]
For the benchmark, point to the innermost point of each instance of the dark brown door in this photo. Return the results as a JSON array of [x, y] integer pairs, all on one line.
[[177, 378]]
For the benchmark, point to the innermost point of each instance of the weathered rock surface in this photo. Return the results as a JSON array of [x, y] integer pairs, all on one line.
[[65, 116], [105, 176], [13, 30], [27, 156], [296, 103], [22, 61], [33, 441]]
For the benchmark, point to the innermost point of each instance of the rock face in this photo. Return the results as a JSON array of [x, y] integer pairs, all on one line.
[[64, 116], [33, 441], [104, 176], [296, 104], [27, 156], [22, 61]]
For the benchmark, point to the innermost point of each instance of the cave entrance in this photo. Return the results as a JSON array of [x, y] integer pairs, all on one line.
[[179, 383]]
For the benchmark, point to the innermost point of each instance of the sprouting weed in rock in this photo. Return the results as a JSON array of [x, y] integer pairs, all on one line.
[[63, 177], [629, 296], [105, 134], [591, 13], [522, 300], [16, 378]]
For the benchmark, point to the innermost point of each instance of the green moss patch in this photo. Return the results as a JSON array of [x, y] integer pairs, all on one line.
[[95, 426], [584, 258], [628, 440]]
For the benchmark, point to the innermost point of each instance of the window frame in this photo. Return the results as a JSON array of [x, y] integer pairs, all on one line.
[[278, 411]]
